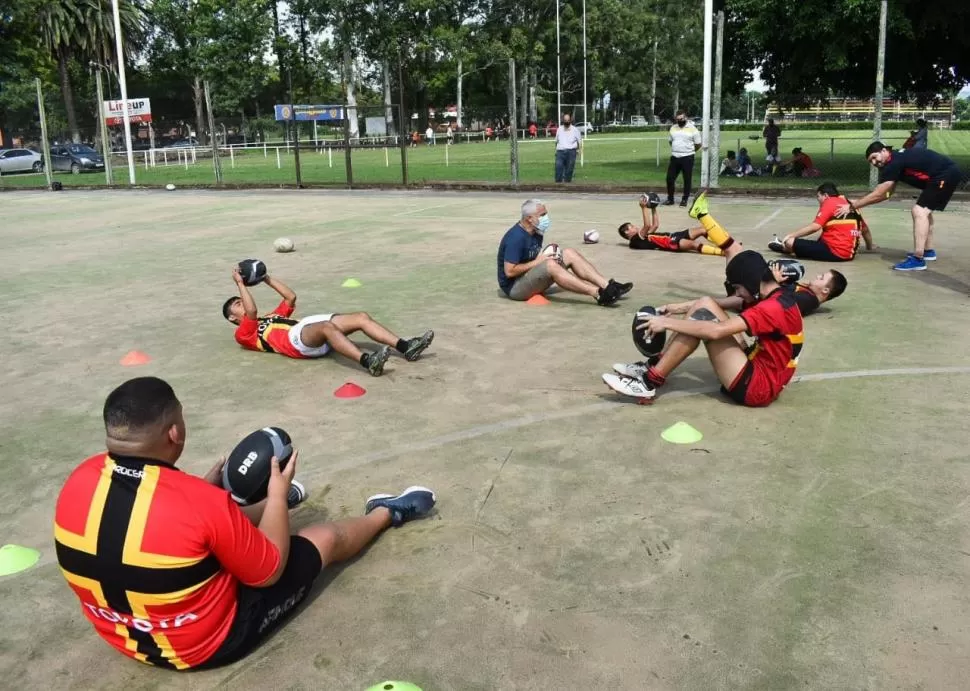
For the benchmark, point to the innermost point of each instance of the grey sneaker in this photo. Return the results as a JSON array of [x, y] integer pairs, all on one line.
[[414, 502], [376, 360], [416, 346], [297, 494]]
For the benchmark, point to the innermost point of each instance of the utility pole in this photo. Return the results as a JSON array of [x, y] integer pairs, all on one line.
[[103, 126], [714, 152], [880, 77]]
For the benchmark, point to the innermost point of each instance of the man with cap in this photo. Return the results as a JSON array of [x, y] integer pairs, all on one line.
[[937, 175], [751, 375]]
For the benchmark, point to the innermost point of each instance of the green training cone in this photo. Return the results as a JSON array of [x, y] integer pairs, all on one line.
[[395, 686], [681, 433], [351, 283], [14, 558]]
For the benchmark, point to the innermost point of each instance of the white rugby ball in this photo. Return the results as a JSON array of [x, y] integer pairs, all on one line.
[[550, 250], [591, 237], [283, 245], [170, 187]]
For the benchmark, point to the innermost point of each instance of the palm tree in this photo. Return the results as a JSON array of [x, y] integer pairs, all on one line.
[[84, 30]]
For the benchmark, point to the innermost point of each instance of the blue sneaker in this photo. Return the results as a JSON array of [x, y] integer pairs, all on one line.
[[414, 502], [911, 264], [928, 255]]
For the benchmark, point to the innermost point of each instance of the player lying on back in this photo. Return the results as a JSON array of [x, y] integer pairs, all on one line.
[[752, 375], [648, 236], [313, 336]]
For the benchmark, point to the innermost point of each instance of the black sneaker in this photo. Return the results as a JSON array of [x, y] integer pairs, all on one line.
[[414, 502], [622, 288], [777, 245], [376, 360], [416, 346], [683, 202], [608, 295], [669, 202]]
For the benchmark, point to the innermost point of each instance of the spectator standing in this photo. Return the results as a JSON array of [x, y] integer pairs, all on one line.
[[429, 135], [685, 141], [771, 133], [568, 141]]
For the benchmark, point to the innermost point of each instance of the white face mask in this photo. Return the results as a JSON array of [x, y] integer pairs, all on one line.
[[543, 224]]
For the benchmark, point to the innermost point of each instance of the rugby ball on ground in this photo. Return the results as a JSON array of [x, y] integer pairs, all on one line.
[[283, 245], [247, 470], [591, 237]]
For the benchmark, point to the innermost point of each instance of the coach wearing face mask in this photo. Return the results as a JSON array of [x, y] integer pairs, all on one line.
[[685, 140], [568, 141], [526, 270]]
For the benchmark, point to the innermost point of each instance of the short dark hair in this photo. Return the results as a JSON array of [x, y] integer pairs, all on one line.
[[681, 112], [138, 404], [874, 147], [227, 304], [623, 228], [920, 122], [839, 284], [828, 188]]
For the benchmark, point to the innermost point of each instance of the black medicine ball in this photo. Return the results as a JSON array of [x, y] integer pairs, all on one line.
[[246, 473]]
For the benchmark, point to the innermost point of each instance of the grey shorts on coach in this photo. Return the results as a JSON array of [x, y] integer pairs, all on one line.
[[534, 281]]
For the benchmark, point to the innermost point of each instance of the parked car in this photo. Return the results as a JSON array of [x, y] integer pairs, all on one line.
[[20, 161], [76, 158], [189, 143], [585, 127]]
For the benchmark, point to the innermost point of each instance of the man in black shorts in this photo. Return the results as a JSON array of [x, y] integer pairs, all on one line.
[[167, 567], [935, 174]]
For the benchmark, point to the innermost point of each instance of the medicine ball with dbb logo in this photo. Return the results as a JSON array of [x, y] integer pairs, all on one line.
[[246, 472]]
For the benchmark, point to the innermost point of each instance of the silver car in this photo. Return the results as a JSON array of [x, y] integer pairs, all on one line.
[[20, 161]]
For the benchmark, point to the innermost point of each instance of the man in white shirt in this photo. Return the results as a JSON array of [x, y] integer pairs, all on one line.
[[429, 135], [568, 141], [685, 140]]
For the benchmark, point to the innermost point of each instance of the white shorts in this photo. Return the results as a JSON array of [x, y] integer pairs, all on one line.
[[297, 342]]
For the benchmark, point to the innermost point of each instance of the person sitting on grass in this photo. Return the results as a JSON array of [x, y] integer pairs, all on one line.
[[167, 567], [750, 375], [524, 271], [314, 336], [839, 240], [800, 165], [647, 236]]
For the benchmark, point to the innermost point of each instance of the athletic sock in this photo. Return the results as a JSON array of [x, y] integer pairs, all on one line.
[[655, 378], [715, 233], [402, 346], [364, 360], [711, 249]]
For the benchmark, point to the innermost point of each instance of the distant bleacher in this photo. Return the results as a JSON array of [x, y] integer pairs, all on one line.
[[938, 112]]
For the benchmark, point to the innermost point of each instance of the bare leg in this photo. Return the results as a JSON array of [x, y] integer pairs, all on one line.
[[728, 358], [316, 335], [361, 321], [921, 229], [929, 234], [680, 347], [582, 268], [341, 540], [568, 281]]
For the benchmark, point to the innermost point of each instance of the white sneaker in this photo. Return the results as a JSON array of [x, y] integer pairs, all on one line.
[[637, 370], [628, 386]]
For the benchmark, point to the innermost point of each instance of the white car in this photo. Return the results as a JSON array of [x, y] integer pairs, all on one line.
[[585, 127], [20, 161]]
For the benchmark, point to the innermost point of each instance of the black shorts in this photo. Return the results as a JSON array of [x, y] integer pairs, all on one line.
[[739, 389], [815, 249], [260, 611], [937, 193]]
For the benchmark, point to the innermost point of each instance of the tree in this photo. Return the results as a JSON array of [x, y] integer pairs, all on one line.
[[815, 48]]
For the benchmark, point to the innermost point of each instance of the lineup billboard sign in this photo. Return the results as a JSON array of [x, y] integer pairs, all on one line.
[[139, 110], [307, 112]]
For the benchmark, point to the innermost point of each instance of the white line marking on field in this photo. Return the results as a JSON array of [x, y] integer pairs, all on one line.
[[423, 208], [531, 419], [765, 221]]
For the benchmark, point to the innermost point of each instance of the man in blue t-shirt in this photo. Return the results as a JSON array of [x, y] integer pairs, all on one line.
[[524, 270], [935, 174]]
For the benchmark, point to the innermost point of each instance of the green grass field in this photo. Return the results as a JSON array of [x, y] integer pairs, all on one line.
[[634, 159]]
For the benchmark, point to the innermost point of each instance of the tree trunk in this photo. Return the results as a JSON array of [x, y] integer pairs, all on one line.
[[533, 107], [524, 97], [68, 93], [653, 86], [388, 111], [277, 44], [676, 96], [459, 106], [351, 94], [198, 96]]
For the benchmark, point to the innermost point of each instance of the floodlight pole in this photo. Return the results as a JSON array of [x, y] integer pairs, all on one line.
[[880, 77], [558, 71], [705, 132], [123, 83], [582, 160], [714, 151]]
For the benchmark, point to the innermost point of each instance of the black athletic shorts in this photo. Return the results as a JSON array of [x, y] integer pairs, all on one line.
[[937, 193], [815, 249], [260, 611]]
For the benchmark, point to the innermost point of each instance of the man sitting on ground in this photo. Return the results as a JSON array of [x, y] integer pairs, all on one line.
[[839, 240], [316, 335], [168, 568], [524, 271], [647, 237], [751, 376]]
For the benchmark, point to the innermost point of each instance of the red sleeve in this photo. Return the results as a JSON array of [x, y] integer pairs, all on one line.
[[763, 317], [246, 332], [283, 309], [240, 547], [826, 212]]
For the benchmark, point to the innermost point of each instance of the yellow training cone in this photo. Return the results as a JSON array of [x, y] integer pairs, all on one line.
[[14, 558], [681, 433]]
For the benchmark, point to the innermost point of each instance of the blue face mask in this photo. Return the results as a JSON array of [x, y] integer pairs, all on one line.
[[543, 224]]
